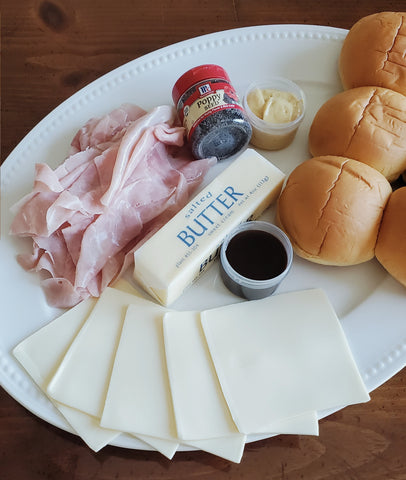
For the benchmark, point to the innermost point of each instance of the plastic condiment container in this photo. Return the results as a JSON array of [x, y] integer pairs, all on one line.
[[269, 135], [211, 112], [254, 259]]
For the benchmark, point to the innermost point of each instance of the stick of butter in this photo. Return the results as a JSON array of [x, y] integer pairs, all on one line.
[[183, 249]]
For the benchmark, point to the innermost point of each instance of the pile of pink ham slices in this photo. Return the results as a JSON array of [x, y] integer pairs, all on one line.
[[126, 174]]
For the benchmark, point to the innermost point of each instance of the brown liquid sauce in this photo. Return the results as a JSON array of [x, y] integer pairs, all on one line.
[[257, 255]]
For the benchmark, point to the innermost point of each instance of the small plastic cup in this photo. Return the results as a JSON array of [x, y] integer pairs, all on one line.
[[274, 136], [259, 255]]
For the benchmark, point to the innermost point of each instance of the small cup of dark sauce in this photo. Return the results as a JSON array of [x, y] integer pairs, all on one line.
[[254, 258]]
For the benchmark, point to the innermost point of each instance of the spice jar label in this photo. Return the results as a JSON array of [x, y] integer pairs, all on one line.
[[205, 101]]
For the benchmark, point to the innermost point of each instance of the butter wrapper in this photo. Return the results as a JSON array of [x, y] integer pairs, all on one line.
[[176, 255]]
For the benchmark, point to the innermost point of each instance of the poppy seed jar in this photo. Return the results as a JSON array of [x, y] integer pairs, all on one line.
[[208, 106]]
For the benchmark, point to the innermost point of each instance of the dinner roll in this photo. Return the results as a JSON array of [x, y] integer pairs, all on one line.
[[331, 208], [374, 52], [391, 245], [365, 123]]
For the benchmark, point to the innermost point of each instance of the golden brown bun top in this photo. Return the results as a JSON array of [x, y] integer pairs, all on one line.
[[331, 208], [367, 124], [391, 245], [373, 52]]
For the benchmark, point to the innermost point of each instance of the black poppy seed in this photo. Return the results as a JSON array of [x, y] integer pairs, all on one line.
[[223, 134]]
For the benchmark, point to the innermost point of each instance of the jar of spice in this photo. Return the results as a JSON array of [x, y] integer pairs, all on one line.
[[208, 106]]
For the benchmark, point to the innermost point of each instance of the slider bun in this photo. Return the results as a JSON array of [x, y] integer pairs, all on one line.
[[391, 245], [373, 52], [367, 124], [331, 209]]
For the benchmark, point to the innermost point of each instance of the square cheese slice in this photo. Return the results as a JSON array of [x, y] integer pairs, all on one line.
[[139, 398], [201, 411], [82, 379], [41, 353], [281, 356], [185, 246], [202, 416]]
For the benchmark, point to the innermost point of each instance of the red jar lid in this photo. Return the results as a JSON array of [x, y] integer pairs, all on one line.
[[195, 75]]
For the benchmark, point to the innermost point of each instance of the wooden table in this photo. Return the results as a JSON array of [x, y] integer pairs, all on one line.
[[51, 49]]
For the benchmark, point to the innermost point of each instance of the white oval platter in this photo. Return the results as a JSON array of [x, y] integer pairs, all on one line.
[[369, 303]]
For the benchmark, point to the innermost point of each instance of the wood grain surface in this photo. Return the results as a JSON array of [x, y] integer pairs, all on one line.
[[49, 50]]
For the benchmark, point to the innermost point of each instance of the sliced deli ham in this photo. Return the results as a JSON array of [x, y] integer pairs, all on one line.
[[126, 175], [137, 142], [107, 128]]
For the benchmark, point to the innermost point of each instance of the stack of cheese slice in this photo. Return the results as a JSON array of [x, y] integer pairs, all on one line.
[[123, 364]]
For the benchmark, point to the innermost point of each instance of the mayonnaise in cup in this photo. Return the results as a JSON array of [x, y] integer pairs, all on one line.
[[275, 109]]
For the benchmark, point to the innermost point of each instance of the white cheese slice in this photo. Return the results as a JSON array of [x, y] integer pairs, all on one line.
[[187, 245], [281, 356], [201, 411], [88, 427], [231, 447], [202, 416], [139, 399], [82, 379], [44, 350], [41, 353]]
